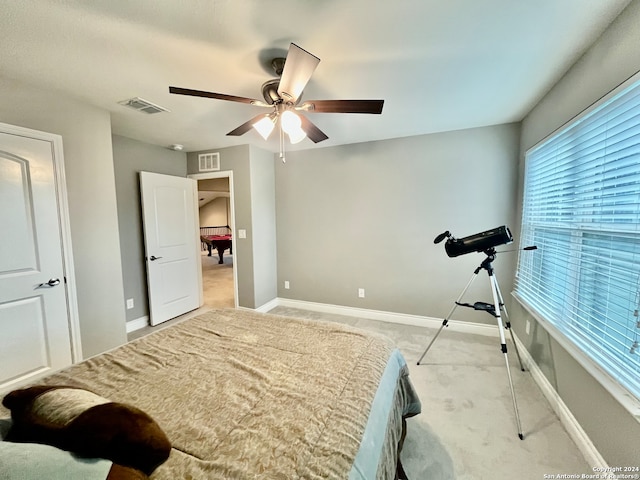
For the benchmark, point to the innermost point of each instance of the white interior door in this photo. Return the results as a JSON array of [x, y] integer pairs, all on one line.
[[169, 206], [35, 328]]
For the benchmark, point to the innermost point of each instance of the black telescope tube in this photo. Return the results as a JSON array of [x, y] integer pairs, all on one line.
[[478, 242]]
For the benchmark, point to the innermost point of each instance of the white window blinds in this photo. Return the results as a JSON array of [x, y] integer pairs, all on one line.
[[581, 208]]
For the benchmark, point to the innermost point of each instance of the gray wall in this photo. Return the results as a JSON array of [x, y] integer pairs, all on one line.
[[88, 160], [130, 157], [263, 212], [253, 189], [365, 216], [610, 61]]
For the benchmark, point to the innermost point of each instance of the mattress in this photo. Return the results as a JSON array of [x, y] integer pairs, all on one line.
[[247, 395]]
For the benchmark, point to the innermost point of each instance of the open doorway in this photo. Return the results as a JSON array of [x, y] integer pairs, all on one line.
[[218, 260]]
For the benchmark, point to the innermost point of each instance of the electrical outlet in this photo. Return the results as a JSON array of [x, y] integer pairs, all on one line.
[[129, 303], [361, 292], [286, 284], [528, 327]]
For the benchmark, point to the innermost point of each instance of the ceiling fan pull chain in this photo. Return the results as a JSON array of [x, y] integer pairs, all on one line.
[[282, 156]]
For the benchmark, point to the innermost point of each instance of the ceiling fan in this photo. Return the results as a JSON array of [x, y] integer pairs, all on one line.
[[283, 96]]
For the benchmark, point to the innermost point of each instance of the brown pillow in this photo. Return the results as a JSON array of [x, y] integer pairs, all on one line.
[[88, 425], [120, 472]]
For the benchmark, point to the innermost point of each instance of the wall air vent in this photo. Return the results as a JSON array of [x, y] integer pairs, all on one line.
[[209, 162], [142, 105]]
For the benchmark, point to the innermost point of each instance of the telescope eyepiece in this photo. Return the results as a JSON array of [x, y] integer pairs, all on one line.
[[441, 237]]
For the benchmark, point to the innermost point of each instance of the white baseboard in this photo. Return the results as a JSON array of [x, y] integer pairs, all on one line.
[[402, 318], [137, 324], [569, 422], [270, 305]]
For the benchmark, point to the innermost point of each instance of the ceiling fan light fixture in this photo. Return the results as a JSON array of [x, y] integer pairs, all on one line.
[[296, 135], [292, 126], [265, 126], [290, 121]]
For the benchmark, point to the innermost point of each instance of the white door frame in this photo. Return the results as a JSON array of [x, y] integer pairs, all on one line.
[[223, 174], [65, 229]]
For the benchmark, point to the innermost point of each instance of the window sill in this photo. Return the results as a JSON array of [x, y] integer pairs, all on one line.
[[624, 397]]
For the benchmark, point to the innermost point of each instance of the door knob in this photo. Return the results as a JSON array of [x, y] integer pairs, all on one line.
[[153, 257], [51, 283]]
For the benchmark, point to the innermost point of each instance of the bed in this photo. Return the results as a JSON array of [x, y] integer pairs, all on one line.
[[243, 395], [218, 238]]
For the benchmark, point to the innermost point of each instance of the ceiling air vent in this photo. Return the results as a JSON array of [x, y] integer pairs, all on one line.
[[209, 162], [143, 105]]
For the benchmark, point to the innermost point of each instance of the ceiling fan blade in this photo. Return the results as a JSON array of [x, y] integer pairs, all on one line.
[[219, 96], [246, 126], [342, 106], [314, 133], [298, 68]]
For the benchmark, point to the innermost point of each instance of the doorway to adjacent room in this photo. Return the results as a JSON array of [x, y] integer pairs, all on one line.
[[215, 204]]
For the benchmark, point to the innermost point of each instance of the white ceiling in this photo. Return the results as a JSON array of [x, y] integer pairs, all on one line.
[[438, 64]]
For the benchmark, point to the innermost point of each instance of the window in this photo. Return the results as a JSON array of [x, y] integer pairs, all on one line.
[[581, 208]]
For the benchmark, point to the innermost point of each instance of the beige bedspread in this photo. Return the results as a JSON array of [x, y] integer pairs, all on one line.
[[243, 395]]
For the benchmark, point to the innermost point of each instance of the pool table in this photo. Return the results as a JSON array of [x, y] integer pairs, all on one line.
[[220, 243]]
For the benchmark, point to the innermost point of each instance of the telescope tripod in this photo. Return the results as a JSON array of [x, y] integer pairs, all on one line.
[[493, 309]]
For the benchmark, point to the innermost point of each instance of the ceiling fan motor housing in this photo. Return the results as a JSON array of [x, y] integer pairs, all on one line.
[[270, 91], [278, 65]]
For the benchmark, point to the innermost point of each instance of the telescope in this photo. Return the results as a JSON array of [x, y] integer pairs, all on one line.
[[480, 242], [484, 242]]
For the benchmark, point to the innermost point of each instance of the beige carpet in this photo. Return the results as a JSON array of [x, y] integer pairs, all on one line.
[[217, 280], [467, 428]]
